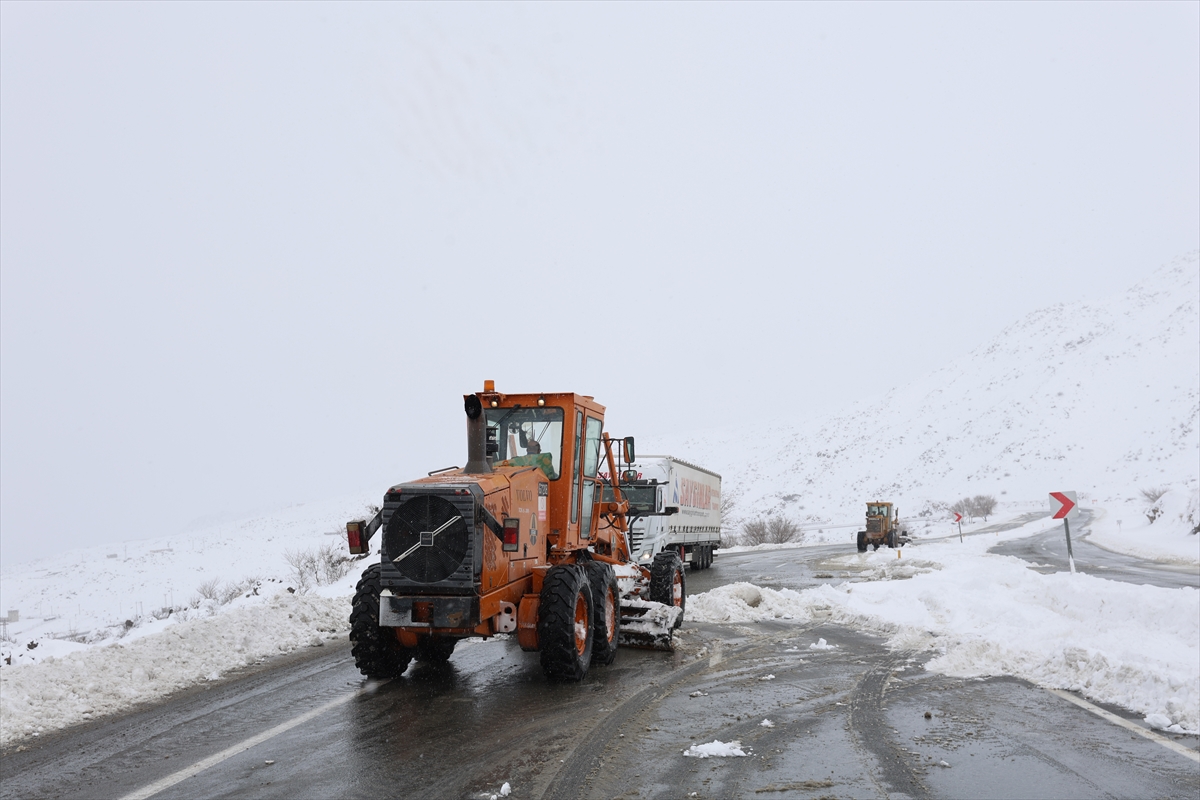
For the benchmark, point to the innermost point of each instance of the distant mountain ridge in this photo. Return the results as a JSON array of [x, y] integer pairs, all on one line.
[[1102, 398]]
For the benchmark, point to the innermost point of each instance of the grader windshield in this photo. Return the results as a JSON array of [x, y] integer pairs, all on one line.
[[520, 437], [879, 510]]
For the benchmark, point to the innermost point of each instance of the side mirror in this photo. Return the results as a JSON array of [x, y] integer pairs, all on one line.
[[670, 511], [630, 455]]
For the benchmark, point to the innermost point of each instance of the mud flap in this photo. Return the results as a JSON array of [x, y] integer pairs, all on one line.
[[648, 625]]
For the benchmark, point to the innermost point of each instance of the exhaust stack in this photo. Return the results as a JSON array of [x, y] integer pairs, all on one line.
[[477, 463]]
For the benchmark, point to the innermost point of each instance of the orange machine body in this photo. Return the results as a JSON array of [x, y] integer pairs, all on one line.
[[464, 551]]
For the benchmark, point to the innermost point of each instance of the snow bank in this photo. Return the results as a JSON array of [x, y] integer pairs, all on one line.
[[69, 689], [1126, 527], [66, 689], [1135, 646]]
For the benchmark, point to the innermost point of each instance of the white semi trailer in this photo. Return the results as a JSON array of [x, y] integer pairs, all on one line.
[[674, 505]]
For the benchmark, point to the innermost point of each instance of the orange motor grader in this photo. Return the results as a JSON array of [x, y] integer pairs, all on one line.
[[525, 539]]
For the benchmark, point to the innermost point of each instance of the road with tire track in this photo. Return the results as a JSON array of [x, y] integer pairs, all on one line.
[[853, 719]]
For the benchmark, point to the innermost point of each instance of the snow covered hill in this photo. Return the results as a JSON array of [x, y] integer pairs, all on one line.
[[1102, 398]]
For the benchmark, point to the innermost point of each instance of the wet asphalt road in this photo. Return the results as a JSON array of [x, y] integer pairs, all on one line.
[[848, 722], [1047, 552]]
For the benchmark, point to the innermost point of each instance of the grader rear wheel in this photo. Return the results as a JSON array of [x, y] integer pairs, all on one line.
[[565, 623], [377, 653]]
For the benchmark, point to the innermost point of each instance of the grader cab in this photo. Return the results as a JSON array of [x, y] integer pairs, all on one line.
[[883, 527], [525, 539]]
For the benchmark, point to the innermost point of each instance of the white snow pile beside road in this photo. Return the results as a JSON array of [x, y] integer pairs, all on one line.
[[95, 681], [71, 657], [1127, 527], [1134, 646]]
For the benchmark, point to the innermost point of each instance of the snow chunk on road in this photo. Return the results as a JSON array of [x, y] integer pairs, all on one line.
[[821, 644], [716, 749]]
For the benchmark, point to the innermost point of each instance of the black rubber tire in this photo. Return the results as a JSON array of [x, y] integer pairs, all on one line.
[[376, 651], [891, 539], [862, 541], [606, 610], [708, 556], [665, 569], [563, 660], [434, 651]]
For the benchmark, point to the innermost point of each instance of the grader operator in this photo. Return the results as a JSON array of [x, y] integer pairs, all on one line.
[[525, 539]]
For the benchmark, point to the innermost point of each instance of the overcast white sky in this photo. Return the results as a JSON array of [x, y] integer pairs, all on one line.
[[252, 255]]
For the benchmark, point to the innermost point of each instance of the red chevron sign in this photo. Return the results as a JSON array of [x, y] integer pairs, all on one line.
[[957, 517], [1068, 503]]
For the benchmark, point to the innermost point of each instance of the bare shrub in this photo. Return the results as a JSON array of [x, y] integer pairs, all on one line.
[[209, 590], [775, 530], [318, 567], [984, 505], [234, 590], [729, 509], [754, 532], [965, 508], [1153, 494], [981, 505], [781, 530]]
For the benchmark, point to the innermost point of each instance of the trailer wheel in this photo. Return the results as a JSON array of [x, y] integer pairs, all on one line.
[[435, 651], [606, 612], [565, 623], [377, 653], [862, 541], [667, 584]]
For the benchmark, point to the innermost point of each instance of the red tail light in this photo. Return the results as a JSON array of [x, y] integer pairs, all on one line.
[[512, 533], [354, 537]]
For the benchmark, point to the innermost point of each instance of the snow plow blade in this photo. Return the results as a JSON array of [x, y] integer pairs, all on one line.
[[648, 625]]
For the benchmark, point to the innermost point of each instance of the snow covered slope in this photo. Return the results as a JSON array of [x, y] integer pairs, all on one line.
[[1102, 398]]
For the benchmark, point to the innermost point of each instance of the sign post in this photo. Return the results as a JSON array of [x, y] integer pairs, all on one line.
[[1067, 502], [958, 519]]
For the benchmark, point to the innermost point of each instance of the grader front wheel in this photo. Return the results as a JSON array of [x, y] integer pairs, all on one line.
[[606, 612], [667, 584]]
